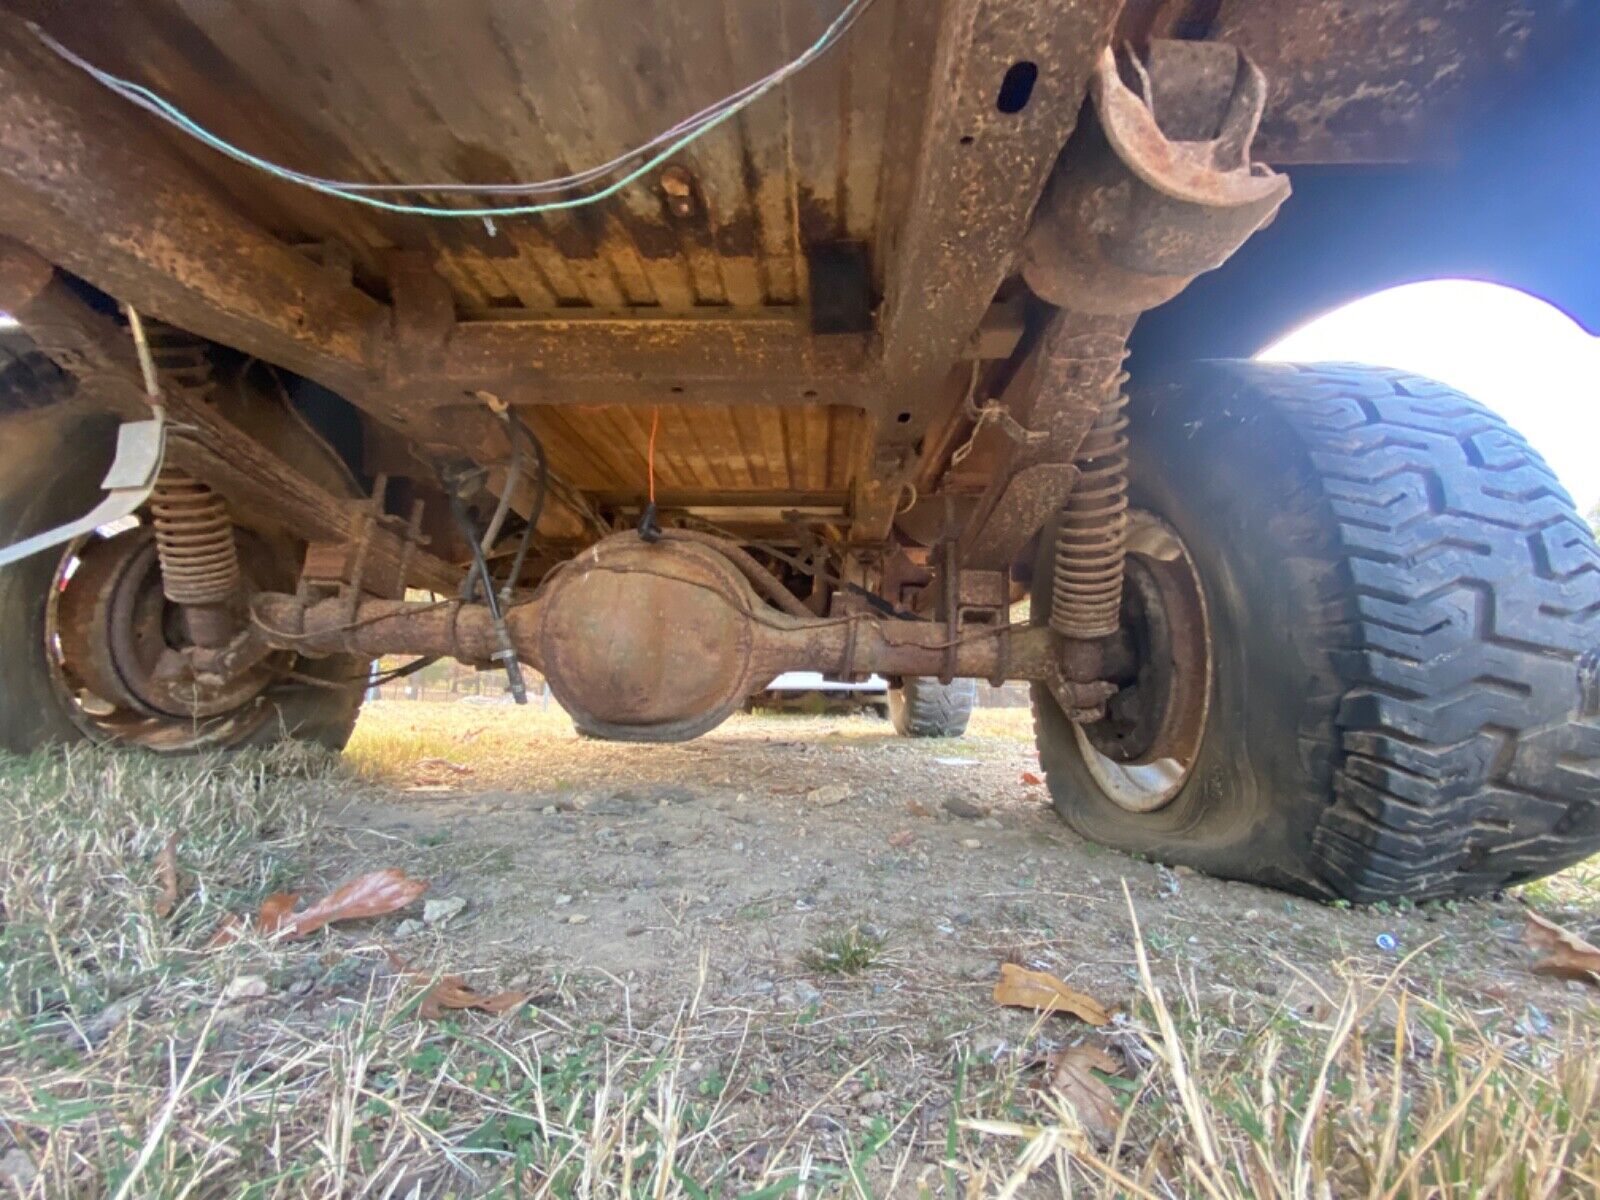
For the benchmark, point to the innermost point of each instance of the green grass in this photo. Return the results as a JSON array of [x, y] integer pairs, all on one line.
[[843, 952]]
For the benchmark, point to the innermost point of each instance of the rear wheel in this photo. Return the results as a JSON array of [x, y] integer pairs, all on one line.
[[1397, 690], [83, 631], [922, 707]]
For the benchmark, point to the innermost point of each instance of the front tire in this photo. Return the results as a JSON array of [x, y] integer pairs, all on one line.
[[1404, 633]]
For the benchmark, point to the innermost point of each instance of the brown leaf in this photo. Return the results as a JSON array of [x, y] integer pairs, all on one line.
[[369, 895], [1032, 780], [275, 910], [452, 991], [1021, 988], [167, 871], [1071, 1074], [1566, 954], [918, 809], [902, 838]]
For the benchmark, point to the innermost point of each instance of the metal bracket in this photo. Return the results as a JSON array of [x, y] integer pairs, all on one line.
[[141, 446]]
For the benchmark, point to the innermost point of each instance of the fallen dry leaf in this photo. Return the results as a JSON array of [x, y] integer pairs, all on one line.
[[1071, 1074], [1032, 780], [1021, 988], [369, 895], [918, 809], [902, 838], [1566, 954], [275, 910], [453, 992], [167, 871]]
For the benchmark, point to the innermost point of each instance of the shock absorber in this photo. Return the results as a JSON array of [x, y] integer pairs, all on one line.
[[1091, 542], [199, 562]]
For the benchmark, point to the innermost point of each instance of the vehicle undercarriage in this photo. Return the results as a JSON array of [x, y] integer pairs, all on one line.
[[831, 385]]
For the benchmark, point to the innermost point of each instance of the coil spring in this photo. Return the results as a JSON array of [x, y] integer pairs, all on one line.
[[1091, 542], [194, 541]]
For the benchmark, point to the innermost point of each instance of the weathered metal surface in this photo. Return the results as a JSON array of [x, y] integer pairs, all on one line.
[[1379, 80], [494, 91], [240, 466], [660, 642], [110, 622], [805, 454], [91, 189], [714, 358], [1159, 189], [978, 175], [654, 642]]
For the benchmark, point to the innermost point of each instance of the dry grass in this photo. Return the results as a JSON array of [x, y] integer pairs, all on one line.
[[1378, 1093], [131, 1066]]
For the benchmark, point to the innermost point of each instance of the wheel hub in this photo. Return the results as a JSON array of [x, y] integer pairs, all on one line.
[[1144, 749], [122, 641]]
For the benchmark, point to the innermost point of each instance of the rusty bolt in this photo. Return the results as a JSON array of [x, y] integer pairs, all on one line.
[[677, 186]]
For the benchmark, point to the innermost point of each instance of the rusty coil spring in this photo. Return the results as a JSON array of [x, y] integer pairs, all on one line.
[[1091, 542], [194, 541]]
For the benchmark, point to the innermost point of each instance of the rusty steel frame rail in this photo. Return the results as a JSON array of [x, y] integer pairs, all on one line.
[[97, 352]]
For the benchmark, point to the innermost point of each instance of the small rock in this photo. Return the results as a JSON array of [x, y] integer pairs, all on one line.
[[828, 795], [971, 844], [799, 994], [1251, 914], [301, 987], [956, 762], [440, 911], [871, 1101], [17, 1169], [408, 928], [244, 987], [1183, 872], [958, 806], [671, 794], [563, 900], [104, 1023], [577, 918]]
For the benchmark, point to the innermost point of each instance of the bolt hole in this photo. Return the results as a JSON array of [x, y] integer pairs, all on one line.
[[967, 139], [676, 389], [1016, 89], [904, 418], [810, 393]]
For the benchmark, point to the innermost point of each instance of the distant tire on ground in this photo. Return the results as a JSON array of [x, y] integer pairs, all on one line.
[[926, 708], [1402, 667], [51, 464]]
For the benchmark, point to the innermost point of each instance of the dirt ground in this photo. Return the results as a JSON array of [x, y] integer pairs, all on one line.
[[769, 833], [755, 965], [627, 879]]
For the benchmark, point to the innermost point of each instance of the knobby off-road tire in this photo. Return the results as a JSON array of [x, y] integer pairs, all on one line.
[[922, 707], [51, 464], [1405, 613]]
